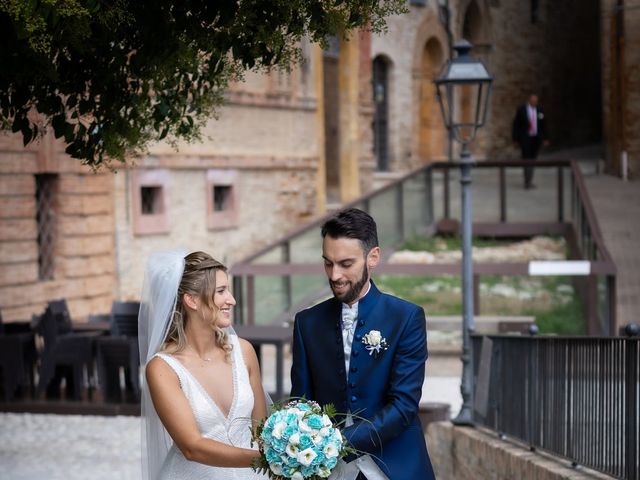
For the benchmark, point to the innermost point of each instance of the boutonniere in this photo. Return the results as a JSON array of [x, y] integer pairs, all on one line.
[[375, 343]]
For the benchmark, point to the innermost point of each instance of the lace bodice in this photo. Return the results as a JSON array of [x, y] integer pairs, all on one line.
[[233, 430]]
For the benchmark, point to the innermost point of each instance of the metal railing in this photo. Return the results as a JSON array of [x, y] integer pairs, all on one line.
[[287, 275], [576, 397]]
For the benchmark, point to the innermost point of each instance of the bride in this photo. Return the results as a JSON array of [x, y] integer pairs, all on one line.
[[203, 389]]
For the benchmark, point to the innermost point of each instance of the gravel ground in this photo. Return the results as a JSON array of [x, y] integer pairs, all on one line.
[[75, 447], [69, 447]]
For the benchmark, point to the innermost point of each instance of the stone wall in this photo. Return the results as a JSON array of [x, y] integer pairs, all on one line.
[[272, 198], [554, 52], [462, 453], [265, 137], [620, 34], [83, 248]]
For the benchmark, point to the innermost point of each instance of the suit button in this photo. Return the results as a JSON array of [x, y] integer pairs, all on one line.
[[358, 337], [341, 371], [361, 323], [355, 353], [354, 369], [354, 398], [352, 384]]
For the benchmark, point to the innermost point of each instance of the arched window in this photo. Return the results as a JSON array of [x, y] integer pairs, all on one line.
[[381, 115]]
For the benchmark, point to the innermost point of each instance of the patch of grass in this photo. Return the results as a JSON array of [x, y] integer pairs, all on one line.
[[441, 244], [551, 300]]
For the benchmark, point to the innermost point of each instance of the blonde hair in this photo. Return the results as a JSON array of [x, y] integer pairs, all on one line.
[[199, 280]]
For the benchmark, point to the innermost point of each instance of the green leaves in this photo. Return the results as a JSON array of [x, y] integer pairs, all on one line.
[[147, 70]]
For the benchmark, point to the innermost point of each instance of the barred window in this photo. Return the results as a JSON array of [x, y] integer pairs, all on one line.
[[46, 188]]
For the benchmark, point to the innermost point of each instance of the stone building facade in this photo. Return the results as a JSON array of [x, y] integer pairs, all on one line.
[[289, 145], [260, 170], [542, 46], [56, 231], [620, 27]]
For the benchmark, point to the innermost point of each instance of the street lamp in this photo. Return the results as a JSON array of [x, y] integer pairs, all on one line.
[[463, 89]]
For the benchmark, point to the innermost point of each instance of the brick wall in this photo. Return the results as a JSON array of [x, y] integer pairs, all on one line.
[[272, 199], [84, 257], [267, 136], [462, 453]]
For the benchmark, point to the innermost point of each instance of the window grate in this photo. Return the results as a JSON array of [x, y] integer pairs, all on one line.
[[46, 219]]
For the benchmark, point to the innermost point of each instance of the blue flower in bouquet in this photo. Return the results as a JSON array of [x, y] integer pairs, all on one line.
[[299, 441]]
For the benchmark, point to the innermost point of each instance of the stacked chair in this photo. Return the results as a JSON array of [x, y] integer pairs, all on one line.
[[64, 353], [120, 351], [17, 358]]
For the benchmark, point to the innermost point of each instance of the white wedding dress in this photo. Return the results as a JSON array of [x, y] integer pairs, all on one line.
[[233, 430]]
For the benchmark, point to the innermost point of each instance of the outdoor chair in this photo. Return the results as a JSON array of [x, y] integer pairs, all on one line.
[[60, 310], [17, 357], [124, 318], [64, 353], [120, 351], [113, 354]]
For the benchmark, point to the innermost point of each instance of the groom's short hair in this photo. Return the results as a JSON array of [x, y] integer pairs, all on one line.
[[353, 223]]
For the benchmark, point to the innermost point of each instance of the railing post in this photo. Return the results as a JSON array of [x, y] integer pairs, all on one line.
[[251, 300], [560, 194], [612, 306], [503, 195], [591, 306], [286, 279], [632, 405], [476, 294], [400, 210], [445, 191], [429, 194], [238, 293]]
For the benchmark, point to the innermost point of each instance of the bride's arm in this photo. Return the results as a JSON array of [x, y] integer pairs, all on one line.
[[253, 367], [175, 413]]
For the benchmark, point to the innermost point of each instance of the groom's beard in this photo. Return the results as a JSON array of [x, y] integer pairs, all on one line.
[[350, 295]]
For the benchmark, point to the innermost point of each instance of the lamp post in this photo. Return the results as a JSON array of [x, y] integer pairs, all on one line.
[[463, 89]]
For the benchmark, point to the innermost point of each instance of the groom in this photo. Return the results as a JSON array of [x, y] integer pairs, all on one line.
[[364, 351]]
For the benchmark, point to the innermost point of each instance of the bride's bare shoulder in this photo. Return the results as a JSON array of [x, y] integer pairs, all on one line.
[[248, 352], [157, 368]]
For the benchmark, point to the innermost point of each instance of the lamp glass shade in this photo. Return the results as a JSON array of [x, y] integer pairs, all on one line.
[[463, 91]]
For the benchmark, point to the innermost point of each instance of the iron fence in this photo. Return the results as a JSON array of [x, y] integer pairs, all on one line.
[[576, 397]]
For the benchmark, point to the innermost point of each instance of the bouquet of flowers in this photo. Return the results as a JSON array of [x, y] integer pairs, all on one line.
[[299, 441]]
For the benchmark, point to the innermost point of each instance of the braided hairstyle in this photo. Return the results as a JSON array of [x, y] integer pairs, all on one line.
[[199, 280]]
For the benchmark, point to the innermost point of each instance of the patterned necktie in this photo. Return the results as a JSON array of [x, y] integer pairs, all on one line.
[[348, 317]]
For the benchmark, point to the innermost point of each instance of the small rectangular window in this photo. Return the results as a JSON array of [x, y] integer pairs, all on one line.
[[149, 192], [221, 199], [151, 200]]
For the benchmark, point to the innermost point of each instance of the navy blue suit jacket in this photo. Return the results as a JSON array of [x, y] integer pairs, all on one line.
[[385, 390]]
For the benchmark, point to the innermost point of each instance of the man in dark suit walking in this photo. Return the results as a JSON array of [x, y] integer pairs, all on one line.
[[365, 351], [529, 133]]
